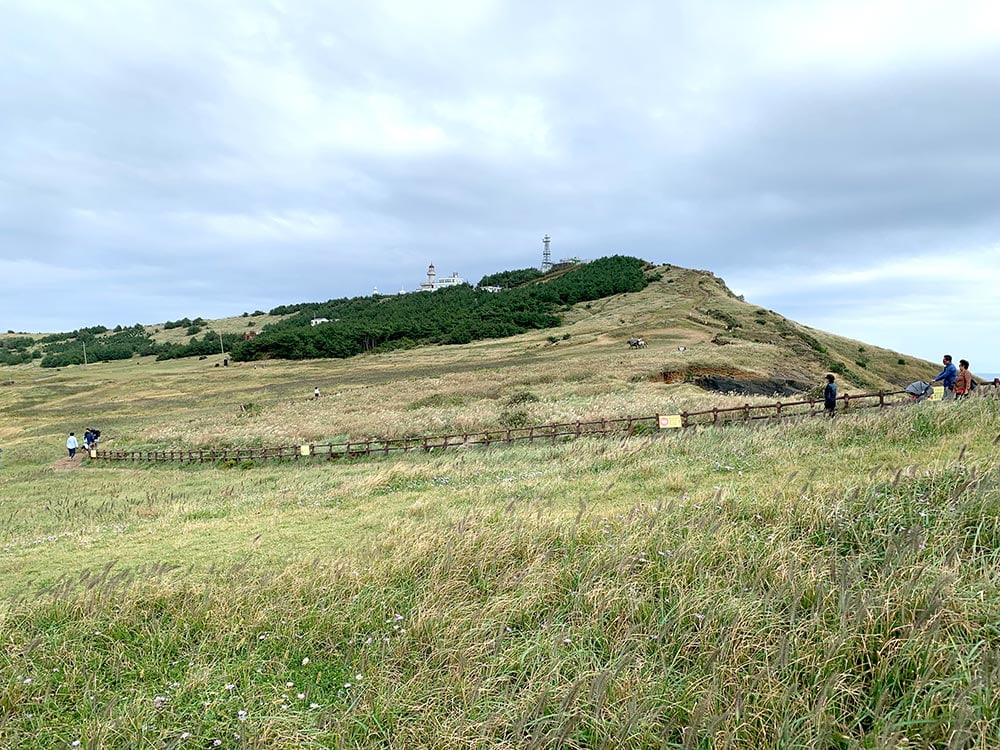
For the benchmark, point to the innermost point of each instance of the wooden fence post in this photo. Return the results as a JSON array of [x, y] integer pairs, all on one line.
[[684, 419]]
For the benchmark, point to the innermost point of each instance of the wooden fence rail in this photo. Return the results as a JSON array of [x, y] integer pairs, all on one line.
[[551, 432]]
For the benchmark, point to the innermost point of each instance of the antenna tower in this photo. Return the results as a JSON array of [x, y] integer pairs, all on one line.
[[546, 254]]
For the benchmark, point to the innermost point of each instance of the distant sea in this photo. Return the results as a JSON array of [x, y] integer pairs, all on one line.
[[988, 375]]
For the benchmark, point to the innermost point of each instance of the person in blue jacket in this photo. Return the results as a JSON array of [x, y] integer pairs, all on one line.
[[830, 396], [947, 376]]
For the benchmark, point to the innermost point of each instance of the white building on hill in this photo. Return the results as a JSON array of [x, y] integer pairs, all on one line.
[[433, 283]]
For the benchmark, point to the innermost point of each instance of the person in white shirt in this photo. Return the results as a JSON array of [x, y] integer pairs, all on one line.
[[71, 445]]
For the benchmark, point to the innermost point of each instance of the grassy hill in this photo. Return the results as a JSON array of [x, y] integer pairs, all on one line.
[[820, 583]]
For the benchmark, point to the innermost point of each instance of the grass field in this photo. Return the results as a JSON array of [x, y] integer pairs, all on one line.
[[822, 583]]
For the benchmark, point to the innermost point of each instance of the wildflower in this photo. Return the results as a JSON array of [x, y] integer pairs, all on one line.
[[26, 681], [241, 715], [359, 677], [699, 616], [230, 686], [305, 661], [216, 743], [347, 684], [75, 743], [284, 705], [185, 735], [313, 705], [300, 696], [289, 684], [261, 637]]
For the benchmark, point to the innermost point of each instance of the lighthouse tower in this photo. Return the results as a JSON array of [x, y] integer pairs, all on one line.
[[431, 284]]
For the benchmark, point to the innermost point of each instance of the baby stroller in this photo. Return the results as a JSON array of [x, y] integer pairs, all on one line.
[[919, 390]]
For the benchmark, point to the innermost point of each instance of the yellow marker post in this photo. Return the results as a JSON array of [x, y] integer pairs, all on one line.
[[670, 422], [304, 450], [937, 393], [93, 453]]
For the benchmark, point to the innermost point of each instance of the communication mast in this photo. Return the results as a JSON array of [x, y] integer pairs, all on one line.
[[546, 254]]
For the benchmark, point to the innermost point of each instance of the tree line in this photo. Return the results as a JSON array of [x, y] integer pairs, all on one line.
[[456, 315]]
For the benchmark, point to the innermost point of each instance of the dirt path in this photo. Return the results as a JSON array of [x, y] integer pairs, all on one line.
[[67, 464]]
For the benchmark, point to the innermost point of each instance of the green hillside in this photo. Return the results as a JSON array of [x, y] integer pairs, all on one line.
[[696, 329]]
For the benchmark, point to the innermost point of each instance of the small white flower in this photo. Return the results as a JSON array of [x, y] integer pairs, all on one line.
[[567, 640], [241, 715], [359, 677], [185, 735], [260, 638], [230, 686], [284, 705], [26, 681], [313, 705], [289, 684], [75, 743], [300, 696], [305, 661], [216, 743], [347, 684]]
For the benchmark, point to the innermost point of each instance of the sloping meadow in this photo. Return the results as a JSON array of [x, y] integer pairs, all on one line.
[[816, 584]]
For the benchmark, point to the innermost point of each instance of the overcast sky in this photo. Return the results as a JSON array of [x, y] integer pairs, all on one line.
[[838, 162]]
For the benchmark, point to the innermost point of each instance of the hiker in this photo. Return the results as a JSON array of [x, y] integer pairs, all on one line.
[[963, 381], [316, 392], [86, 440], [830, 395], [947, 377], [71, 445]]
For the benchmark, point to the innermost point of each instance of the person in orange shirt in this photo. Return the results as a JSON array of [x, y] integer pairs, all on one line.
[[963, 381]]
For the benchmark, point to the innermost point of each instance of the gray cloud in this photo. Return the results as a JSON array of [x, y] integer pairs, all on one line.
[[177, 159]]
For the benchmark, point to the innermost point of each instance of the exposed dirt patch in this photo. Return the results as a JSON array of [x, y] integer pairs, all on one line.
[[67, 464], [734, 381], [693, 373], [750, 387]]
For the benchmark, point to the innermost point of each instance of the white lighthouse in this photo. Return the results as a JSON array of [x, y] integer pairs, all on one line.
[[432, 282]]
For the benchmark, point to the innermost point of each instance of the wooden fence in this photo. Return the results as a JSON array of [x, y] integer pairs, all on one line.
[[620, 426]]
